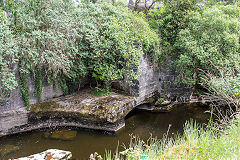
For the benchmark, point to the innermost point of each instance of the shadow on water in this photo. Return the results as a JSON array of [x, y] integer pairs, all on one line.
[[138, 122]]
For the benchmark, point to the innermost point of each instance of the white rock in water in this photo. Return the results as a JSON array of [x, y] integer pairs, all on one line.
[[50, 154]]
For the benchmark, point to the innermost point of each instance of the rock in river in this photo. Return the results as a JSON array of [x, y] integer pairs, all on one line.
[[7, 149], [50, 154], [63, 134]]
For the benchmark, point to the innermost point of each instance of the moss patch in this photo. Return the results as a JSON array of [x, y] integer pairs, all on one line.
[[107, 108], [47, 106], [149, 100]]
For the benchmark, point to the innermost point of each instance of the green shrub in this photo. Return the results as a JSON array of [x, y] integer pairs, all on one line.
[[69, 42], [94, 38], [49, 38], [116, 38], [8, 52], [168, 20], [211, 37], [226, 86]]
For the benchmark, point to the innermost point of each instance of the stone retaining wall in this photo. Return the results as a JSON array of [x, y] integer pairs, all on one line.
[[156, 81], [14, 113]]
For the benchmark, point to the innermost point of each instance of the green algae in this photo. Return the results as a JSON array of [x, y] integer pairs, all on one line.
[[149, 100], [47, 106]]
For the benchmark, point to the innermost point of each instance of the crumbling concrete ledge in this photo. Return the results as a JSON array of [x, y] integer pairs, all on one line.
[[81, 109]]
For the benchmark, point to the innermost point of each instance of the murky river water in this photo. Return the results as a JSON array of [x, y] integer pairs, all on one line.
[[138, 123]]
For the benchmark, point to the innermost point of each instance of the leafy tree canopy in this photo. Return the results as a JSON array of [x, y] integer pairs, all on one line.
[[211, 37]]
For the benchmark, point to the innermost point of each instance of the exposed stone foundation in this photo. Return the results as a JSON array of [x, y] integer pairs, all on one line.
[[83, 110], [156, 82]]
